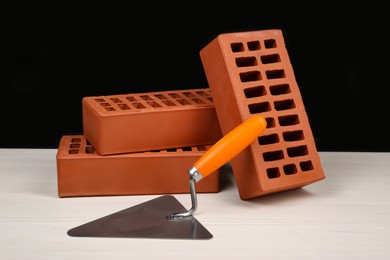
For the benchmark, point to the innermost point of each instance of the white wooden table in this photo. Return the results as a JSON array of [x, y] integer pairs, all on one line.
[[345, 216]]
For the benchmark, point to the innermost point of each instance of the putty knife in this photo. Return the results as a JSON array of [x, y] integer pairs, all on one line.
[[164, 217]]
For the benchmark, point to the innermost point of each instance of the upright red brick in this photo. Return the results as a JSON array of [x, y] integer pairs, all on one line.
[[250, 73], [81, 171], [150, 121]]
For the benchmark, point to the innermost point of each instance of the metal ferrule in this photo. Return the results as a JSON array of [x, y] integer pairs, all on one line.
[[195, 174]]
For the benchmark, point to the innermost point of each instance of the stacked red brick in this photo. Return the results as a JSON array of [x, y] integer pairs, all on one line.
[[250, 73], [148, 121], [139, 143], [84, 172]]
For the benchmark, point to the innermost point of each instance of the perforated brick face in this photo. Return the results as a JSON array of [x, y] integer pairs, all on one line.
[[147, 121], [250, 73], [81, 171]]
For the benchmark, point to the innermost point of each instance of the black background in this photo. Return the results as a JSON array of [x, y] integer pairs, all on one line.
[[54, 56]]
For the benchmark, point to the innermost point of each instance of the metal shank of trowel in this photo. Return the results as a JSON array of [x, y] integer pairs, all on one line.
[[220, 153]]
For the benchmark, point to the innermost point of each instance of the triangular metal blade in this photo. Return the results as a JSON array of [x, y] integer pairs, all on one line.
[[146, 220]]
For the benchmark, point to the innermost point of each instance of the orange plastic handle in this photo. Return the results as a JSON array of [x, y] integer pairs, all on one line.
[[230, 145]]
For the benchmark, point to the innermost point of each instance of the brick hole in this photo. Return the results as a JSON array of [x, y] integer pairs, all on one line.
[[89, 149], [246, 61], [201, 148], [268, 59], [284, 104], [189, 94], [268, 139], [259, 107], [254, 45], [74, 145], [290, 169], [202, 93], [171, 150], [306, 166], [138, 105], [210, 99], [160, 96], [273, 173], [100, 100], [146, 97], [280, 89], [275, 74], [288, 120], [76, 140], [187, 149], [174, 95], [250, 76], [270, 122], [109, 109], [153, 104], [197, 101], [105, 104], [73, 151], [273, 156], [270, 43], [169, 103], [237, 47], [131, 99], [116, 100], [292, 136], [297, 151], [183, 102], [255, 92], [123, 107], [87, 142]]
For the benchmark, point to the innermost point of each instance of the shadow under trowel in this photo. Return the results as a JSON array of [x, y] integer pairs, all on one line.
[[226, 177]]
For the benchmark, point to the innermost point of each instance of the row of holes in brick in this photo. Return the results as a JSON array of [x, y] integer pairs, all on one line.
[[153, 104], [253, 45], [288, 136], [161, 101], [259, 91], [289, 169], [287, 120], [250, 76], [145, 97], [75, 146], [251, 61], [279, 105], [292, 152]]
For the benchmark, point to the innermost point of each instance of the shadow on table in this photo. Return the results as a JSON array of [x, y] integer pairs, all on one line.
[[227, 182]]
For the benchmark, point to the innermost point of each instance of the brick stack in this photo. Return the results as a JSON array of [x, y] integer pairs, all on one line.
[[139, 143], [143, 143]]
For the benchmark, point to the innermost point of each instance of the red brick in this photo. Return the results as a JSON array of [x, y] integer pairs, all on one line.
[[250, 73], [81, 171], [148, 121]]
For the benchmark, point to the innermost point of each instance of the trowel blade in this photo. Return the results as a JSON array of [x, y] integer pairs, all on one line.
[[146, 220]]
